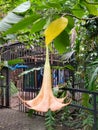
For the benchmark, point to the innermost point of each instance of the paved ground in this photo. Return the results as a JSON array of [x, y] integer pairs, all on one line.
[[14, 120], [11, 119]]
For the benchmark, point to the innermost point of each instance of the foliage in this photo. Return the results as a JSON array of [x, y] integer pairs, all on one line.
[[50, 120], [75, 118], [82, 15], [88, 120], [33, 21], [88, 123]]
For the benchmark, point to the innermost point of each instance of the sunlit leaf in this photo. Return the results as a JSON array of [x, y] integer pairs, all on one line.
[[54, 29], [13, 17], [23, 7], [92, 8], [6, 22], [4, 26], [61, 42]]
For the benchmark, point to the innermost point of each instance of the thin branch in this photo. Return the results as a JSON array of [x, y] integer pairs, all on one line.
[[67, 14], [93, 3]]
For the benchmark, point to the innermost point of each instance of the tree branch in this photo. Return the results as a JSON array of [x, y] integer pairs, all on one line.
[[93, 3], [68, 14]]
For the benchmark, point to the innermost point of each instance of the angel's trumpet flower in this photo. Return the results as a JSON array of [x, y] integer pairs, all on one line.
[[45, 100]]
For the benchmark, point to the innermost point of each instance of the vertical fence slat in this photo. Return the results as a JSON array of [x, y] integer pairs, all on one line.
[[95, 112]]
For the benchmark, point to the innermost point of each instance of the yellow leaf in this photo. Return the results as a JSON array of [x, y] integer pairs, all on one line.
[[54, 29]]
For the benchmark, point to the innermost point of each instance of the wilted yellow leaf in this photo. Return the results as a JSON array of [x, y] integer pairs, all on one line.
[[54, 29]]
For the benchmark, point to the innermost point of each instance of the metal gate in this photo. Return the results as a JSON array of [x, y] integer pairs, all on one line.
[[28, 85]]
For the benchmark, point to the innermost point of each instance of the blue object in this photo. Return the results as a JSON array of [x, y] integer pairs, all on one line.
[[17, 66]]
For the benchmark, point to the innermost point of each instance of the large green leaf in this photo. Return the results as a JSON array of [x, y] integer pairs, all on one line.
[[92, 8], [4, 26], [13, 18], [22, 7], [7, 22], [61, 42], [22, 24], [38, 25]]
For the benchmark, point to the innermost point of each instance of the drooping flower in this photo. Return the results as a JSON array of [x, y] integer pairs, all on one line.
[[45, 100]]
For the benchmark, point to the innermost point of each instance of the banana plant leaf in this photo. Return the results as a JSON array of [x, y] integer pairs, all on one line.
[[14, 16]]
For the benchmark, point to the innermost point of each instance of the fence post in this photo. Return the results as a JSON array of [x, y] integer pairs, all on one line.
[[95, 112], [7, 87]]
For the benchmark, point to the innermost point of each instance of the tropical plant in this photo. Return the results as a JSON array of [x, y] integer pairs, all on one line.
[[81, 44], [34, 23]]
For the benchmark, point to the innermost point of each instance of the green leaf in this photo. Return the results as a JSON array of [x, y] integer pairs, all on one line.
[[15, 61], [38, 25], [22, 7], [22, 24], [70, 23], [94, 63], [78, 11], [54, 5], [70, 67], [61, 42], [92, 8]]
